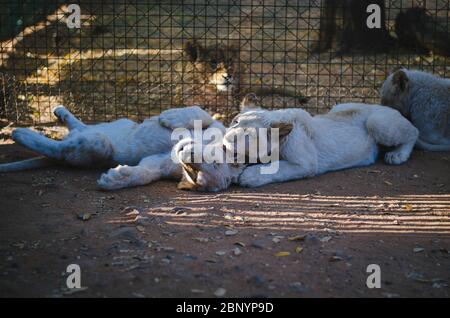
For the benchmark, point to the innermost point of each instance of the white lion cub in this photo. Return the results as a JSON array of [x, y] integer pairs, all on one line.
[[425, 100], [142, 151], [347, 136]]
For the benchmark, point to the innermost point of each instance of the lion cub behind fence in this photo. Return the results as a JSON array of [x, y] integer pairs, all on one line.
[[215, 77]]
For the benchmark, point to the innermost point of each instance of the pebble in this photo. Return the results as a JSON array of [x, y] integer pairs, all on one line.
[[325, 239], [237, 251], [132, 212], [231, 232], [221, 253], [335, 258], [84, 216], [220, 292]]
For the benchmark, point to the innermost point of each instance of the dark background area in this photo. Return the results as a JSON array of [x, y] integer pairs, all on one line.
[[126, 60]]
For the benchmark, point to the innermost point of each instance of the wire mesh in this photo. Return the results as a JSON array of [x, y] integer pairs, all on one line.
[[132, 59]]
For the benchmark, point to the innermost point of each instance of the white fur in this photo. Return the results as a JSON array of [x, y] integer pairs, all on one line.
[[425, 100], [348, 136], [141, 151]]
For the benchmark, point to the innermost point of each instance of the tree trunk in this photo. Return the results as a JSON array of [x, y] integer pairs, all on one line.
[[343, 27]]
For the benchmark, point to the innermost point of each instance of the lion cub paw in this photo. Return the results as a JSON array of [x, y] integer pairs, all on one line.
[[395, 157], [115, 178], [61, 113], [252, 178]]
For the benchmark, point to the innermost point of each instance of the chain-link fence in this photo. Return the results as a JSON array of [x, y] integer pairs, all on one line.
[[136, 58]]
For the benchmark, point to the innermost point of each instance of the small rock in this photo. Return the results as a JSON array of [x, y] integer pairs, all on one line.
[[237, 251], [231, 232], [335, 258], [418, 249], [325, 239], [132, 212], [197, 291], [221, 253], [84, 216], [439, 285], [220, 292]]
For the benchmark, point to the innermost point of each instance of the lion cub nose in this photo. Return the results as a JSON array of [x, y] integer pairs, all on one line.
[[227, 77]]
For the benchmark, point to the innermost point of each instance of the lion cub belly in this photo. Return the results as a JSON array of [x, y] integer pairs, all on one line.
[[129, 141]]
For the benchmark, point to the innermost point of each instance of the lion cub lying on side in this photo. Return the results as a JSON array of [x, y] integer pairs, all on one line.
[[425, 100], [348, 136]]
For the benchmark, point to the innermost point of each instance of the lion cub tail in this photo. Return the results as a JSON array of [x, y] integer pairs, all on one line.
[[431, 147], [38, 162]]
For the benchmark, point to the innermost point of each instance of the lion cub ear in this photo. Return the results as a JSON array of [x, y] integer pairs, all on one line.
[[185, 185], [283, 129], [193, 50], [400, 80], [250, 102]]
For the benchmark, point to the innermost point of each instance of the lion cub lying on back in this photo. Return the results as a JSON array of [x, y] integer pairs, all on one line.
[[348, 136], [425, 100], [141, 151]]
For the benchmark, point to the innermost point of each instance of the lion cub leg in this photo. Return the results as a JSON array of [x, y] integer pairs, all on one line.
[[389, 128], [150, 169], [77, 150], [67, 118]]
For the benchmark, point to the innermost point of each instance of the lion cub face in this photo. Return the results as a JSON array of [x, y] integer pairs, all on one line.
[[209, 177], [214, 65]]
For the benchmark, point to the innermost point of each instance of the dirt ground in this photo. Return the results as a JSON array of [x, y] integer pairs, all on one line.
[[157, 241]]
